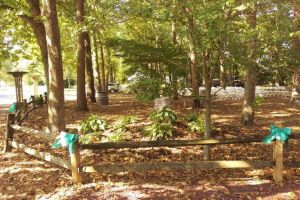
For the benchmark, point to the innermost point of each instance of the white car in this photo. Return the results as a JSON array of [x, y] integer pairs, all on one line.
[[113, 87]]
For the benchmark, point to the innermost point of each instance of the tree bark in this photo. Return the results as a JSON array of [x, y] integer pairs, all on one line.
[[250, 74], [296, 76], [39, 32], [208, 73], [193, 56], [174, 40], [102, 70], [56, 111], [89, 68], [96, 53], [81, 103], [111, 70]]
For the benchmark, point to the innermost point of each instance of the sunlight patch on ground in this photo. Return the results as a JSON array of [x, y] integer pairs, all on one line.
[[16, 169]]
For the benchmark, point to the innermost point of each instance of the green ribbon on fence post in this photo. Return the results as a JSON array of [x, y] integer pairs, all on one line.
[[279, 134], [65, 139], [12, 108]]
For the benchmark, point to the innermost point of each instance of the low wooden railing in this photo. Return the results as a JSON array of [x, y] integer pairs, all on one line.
[[73, 162]]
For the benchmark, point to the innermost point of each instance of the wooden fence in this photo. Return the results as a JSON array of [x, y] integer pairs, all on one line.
[[73, 162]]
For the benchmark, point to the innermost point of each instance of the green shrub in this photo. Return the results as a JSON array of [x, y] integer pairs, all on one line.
[[191, 117], [118, 136], [158, 131], [93, 124], [161, 127], [198, 125], [164, 115], [257, 102], [90, 138]]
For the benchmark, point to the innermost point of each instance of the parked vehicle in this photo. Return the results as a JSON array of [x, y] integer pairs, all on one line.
[[113, 87]]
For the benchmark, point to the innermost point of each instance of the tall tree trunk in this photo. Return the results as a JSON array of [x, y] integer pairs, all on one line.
[[39, 32], [193, 56], [102, 70], [222, 74], [110, 66], [81, 103], [97, 68], [208, 74], [296, 76], [56, 111], [89, 68], [174, 77], [250, 74]]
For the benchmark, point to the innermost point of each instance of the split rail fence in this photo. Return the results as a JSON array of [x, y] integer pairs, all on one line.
[[73, 162]]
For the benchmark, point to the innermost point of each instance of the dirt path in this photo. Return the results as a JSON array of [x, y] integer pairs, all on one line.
[[24, 177]]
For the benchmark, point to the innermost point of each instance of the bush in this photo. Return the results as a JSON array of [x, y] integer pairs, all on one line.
[[158, 131], [93, 124], [118, 136], [164, 115], [191, 117], [90, 138], [198, 125], [257, 102], [161, 127]]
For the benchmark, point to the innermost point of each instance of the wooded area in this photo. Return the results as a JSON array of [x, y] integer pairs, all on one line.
[[192, 77]]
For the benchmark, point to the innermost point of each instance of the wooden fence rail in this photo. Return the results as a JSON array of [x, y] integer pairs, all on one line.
[[74, 161]]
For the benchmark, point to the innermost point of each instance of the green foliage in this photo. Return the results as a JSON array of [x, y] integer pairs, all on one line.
[[191, 117], [196, 123], [120, 128], [158, 131], [93, 124], [257, 102], [161, 127], [118, 136], [90, 138], [165, 115], [148, 88]]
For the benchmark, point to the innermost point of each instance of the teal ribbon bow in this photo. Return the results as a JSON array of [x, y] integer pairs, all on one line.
[[279, 134], [65, 139], [12, 108]]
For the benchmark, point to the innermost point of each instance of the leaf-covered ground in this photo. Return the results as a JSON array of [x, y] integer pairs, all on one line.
[[25, 177]]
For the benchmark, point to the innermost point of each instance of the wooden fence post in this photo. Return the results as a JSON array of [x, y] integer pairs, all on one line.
[[9, 132], [278, 159], [75, 160], [24, 106], [46, 97], [33, 101]]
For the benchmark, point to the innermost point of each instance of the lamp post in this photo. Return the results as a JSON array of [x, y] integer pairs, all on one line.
[[18, 84], [35, 78]]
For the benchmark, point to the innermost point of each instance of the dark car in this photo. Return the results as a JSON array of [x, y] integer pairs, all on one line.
[[216, 83], [238, 83]]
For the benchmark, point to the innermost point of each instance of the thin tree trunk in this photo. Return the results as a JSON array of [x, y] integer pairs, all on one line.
[[97, 69], [208, 73], [174, 77], [81, 103], [222, 74], [56, 111], [89, 68], [102, 70], [109, 63], [296, 75], [250, 74], [193, 57]]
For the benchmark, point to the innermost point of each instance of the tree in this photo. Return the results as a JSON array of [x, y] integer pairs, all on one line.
[[251, 69], [56, 111], [35, 22], [89, 68], [81, 103]]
